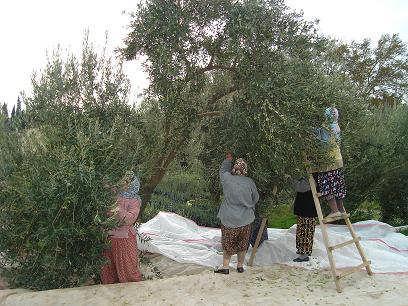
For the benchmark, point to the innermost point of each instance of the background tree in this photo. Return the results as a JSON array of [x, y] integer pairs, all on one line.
[[375, 145], [380, 72], [5, 116], [378, 165], [17, 119], [13, 112], [4, 110]]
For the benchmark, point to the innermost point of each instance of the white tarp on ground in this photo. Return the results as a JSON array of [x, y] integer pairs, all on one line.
[[184, 241]]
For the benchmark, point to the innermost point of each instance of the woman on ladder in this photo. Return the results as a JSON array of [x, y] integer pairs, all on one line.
[[330, 178]]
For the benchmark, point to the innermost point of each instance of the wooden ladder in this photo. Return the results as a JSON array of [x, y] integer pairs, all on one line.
[[329, 249]]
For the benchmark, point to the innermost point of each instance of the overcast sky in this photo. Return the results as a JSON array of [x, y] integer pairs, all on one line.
[[29, 28]]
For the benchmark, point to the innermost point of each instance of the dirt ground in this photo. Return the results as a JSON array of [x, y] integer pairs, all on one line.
[[272, 285]]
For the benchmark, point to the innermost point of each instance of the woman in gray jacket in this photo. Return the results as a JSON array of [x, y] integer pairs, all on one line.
[[237, 211]]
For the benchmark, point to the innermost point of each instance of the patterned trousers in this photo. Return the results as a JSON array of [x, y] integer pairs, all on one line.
[[235, 240], [304, 235], [123, 265]]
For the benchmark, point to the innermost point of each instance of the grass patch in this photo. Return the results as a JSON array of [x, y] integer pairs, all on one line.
[[281, 216]]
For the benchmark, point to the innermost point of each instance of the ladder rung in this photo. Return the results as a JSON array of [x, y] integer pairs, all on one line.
[[340, 245], [332, 219], [354, 269]]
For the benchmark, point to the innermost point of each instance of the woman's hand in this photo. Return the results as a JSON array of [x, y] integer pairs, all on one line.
[[115, 209]]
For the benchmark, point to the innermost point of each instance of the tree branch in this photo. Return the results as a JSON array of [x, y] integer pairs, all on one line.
[[214, 98], [221, 94], [212, 67], [210, 114]]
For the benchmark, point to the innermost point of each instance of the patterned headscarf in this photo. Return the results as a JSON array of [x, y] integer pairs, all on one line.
[[332, 115], [132, 191], [240, 167]]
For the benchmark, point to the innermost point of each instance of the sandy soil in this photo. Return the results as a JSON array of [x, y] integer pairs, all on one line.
[[273, 285]]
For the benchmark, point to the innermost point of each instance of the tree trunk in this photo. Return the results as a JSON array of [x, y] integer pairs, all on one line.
[[159, 171]]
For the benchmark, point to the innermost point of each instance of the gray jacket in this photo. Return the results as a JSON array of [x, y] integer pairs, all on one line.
[[301, 185], [240, 197]]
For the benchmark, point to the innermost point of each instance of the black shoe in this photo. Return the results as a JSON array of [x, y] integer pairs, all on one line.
[[301, 259], [240, 269], [222, 271]]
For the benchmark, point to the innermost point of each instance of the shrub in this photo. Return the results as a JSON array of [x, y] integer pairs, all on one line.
[[366, 211], [80, 135], [281, 216], [53, 217]]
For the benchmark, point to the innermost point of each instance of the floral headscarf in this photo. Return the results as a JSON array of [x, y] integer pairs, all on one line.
[[132, 192], [332, 115], [333, 128], [240, 167]]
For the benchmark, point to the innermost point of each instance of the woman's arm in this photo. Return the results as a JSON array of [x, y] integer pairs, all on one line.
[[129, 216], [226, 166], [255, 195]]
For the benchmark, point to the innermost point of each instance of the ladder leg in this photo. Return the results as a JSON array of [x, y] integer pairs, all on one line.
[[358, 245], [324, 232], [258, 239]]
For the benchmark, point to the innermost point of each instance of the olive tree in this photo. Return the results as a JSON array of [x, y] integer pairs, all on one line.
[[254, 62]]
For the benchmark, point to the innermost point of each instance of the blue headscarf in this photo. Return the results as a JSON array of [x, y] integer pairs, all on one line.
[[332, 116], [133, 191]]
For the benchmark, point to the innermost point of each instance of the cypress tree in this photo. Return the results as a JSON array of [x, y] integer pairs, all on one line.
[[4, 110], [18, 110], [13, 113]]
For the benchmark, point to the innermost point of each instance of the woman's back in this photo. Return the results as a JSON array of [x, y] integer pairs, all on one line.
[[240, 197]]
